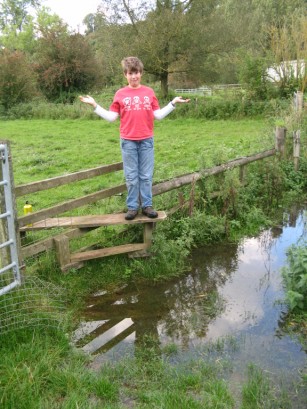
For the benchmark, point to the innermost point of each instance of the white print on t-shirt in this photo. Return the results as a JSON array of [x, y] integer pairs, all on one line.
[[136, 102], [127, 104], [146, 103]]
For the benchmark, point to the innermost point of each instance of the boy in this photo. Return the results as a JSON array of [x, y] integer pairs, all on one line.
[[137, 107]]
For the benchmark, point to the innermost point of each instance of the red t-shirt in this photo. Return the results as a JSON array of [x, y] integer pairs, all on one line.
[[135, 108]]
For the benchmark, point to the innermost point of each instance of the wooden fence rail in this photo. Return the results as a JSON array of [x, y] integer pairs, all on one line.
[[38, 186], [193, 177]]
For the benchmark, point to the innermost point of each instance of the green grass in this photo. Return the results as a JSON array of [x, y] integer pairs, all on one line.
[[39, 370], [47, 148]]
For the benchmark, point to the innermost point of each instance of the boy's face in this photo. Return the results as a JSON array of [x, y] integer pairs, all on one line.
[[134, 79]]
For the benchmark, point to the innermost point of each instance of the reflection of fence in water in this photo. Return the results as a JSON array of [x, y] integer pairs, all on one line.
[[104, 334], [168, 310]]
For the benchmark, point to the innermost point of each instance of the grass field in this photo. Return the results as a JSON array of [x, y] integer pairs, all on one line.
[[47, 148]]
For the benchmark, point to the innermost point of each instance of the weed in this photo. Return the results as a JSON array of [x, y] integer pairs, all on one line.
[[259, 393], [295, 277]]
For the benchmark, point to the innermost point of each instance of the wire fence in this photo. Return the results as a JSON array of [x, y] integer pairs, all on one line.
[[209, 90], [34, 304]]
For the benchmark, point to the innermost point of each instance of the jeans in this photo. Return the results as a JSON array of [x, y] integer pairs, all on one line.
[[138, 161]]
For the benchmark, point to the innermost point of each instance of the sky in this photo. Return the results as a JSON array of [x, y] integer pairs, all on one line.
[[72, 11]]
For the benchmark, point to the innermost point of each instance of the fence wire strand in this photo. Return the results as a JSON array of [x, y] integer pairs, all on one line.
[[35, 303]]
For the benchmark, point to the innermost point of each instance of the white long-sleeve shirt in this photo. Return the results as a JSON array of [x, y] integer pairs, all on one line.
[[111, 116]]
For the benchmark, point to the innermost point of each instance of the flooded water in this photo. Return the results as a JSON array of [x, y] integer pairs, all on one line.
[[233, 293]]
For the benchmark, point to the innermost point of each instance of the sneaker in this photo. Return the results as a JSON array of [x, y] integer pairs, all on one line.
[[130, 215], [150, 212]]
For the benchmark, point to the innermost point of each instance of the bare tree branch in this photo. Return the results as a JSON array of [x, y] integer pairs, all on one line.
[[130, 15]]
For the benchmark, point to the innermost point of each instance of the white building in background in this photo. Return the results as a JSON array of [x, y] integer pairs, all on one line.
[[286, 69]]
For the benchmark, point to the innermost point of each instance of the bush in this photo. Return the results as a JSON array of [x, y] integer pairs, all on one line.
[[295, 277], [41, 109], [68, 106], [17, 79], [66, 66], [216, 109]]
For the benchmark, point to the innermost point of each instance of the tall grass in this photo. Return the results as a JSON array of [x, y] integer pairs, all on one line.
[[39, 370], [199, 107]]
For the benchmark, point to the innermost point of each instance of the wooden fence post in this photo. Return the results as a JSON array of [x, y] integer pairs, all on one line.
[[242, 173], [62, 250], [280, 140], [298, 101], [296, 148]]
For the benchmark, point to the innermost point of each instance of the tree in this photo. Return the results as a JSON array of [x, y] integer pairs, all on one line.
[[162, 41], [288, 54], [178, 40], [22, 41], [17, 78], [14, 13], [17, 24], [47, 21], [154, 31], [66, 64]]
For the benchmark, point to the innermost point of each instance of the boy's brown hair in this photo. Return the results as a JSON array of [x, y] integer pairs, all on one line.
[[132, 64]]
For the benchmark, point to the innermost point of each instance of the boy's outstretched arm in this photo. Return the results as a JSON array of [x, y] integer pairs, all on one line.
[[103, 113], [88, 100], [163, 112], [180, 100]]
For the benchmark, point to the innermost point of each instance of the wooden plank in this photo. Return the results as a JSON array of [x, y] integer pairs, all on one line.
[[140, 254], [109, 251], [92, 221], [48, 243], [69, 205], [69, 266], [40, 185]]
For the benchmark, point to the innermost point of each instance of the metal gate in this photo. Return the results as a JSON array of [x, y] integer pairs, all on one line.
[[10, 276]]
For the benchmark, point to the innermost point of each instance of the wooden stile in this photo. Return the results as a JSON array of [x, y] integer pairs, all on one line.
[[69, 260]]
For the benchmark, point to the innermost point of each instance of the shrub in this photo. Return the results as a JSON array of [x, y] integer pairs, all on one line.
[[66, 66], [295, 277], [17, 79], [216, 109]]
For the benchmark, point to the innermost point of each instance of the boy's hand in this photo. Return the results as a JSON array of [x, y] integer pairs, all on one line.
[[88, 100], [180, 100]]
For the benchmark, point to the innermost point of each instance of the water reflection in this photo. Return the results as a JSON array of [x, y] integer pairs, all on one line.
[[232, 290], [180, 310]]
